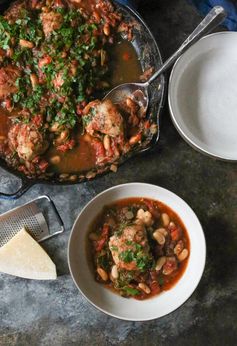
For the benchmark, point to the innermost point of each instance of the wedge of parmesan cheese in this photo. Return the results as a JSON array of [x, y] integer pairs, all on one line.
[[22, 256]]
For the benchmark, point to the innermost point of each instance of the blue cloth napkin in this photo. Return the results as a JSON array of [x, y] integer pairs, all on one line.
[[131, 3], [204, 6]]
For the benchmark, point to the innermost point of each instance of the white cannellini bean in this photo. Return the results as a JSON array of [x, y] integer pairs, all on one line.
[[172, 225], [114, 272], [63, 135], [73, 177], [114, 168], [90, 175], [130, 103], [145, 216], [63, 175], [153, 129], [55, 127], [140, 213], [162, 231], [183, 255], [45, 9], [159, 237], [106, 142], [144, 287], [169, 266], [102, 273], [26, 44], [178, 248], [54, 160], [34, 80], [165, 219], [160, 262], [106, 29], [148, 218]]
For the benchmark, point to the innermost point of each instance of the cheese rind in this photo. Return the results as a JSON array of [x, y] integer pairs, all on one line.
[[22, 256]]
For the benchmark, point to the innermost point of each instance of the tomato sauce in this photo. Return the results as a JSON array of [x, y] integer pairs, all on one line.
[[4, 123]]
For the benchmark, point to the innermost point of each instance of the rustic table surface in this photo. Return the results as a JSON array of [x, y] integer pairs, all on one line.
[[55, 313]]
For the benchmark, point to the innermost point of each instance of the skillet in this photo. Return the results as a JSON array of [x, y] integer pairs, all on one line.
[[149, 56]]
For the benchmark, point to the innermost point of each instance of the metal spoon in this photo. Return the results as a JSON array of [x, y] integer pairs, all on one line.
[[139, 91]]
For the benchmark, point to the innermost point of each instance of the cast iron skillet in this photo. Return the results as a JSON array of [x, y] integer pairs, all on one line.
[[149, 55]]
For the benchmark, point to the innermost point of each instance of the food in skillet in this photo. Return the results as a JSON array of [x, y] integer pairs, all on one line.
[[54, 62], [139, 247]]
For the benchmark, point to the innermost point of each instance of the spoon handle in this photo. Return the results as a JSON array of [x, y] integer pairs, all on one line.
[[212, 19]]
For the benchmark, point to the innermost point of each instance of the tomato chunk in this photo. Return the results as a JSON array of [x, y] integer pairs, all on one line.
[[45, 61], [104, 237]]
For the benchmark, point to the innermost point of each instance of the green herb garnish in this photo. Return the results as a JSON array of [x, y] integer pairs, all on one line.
[[131, 291], [137, 255], [127, 256]]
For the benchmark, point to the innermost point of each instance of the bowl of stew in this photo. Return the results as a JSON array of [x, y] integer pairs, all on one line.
[[137, 251]]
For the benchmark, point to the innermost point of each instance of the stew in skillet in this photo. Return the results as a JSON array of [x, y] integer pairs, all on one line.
[[57, 57]]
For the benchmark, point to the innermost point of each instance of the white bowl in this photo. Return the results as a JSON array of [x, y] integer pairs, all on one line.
[[113, 304], [202, 95]]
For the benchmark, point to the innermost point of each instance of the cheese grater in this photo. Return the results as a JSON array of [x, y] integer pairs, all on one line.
[[39, 216]]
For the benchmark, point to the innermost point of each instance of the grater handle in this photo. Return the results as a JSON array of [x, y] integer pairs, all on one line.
[[62, 227], [25, 185], [60, 221]]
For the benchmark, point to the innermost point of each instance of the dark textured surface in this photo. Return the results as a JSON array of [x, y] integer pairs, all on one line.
[[54, 313]]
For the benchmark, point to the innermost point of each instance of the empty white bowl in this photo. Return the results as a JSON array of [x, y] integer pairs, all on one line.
[[203, 95], [106, 300]]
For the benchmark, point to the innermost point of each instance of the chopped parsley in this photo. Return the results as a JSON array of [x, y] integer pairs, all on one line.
[[136, 255], [121, 227], [75, 38], [127, 256]]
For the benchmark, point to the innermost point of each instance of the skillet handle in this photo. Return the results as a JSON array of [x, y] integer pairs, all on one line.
[[25, 185]]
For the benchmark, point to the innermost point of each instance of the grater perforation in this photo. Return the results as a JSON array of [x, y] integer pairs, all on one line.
[[30, 216]]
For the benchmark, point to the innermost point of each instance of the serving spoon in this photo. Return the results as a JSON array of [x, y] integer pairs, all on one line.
[[139, 92]]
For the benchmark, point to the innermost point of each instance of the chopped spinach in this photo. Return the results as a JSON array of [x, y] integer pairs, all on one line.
[[161, 280], [131, 291]]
